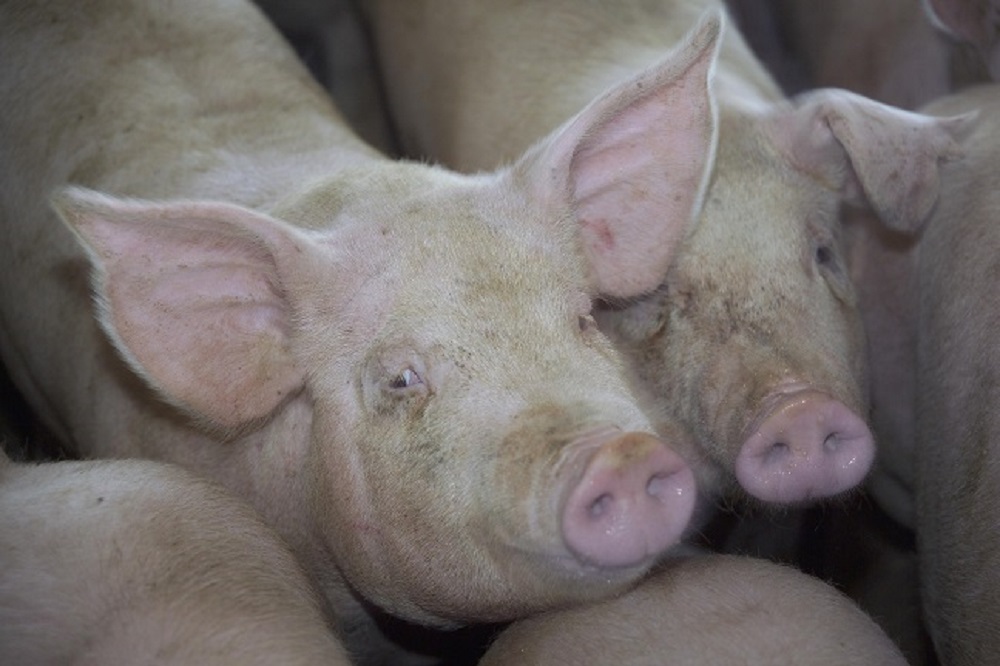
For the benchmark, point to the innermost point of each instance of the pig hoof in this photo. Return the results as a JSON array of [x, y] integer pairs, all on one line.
[[633, 501], [809, 446]]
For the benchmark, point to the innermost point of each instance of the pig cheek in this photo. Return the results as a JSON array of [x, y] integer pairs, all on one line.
[[402, 536], [845, 335]]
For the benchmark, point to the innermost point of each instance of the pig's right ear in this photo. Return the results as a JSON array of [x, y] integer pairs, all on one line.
[[632, 168], [190, 293]]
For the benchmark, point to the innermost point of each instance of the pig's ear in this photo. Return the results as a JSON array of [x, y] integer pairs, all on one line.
[[190, 294], [633, 166], [976, 22], [875, 154]]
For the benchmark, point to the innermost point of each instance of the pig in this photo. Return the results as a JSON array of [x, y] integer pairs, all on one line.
[[942, 287], [140, 562], [974, 22], [753, 341], [329, 39], [714, 609], [888, 51], [397, 365], [957, 419]]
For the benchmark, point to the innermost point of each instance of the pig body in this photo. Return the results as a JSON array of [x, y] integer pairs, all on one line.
[[753, 340], [957, 399], [139, 562], [890, 52], [395, 364], [712, 609], [927, 303], [944, 287], [972, 22]]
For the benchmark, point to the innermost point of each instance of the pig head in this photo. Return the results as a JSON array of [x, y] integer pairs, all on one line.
[[753, 340], [396, 364]]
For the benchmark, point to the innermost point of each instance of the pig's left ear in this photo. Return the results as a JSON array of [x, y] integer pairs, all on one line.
[[874, 154], [190, 295], [633, 166]]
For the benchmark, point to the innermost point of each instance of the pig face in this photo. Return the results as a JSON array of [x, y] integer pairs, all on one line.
[[754, 338], [465, 436], [482, 377]]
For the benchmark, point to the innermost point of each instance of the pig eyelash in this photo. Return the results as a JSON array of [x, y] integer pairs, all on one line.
[[824, 255], [587, 323], [408, 378], [828, 259]]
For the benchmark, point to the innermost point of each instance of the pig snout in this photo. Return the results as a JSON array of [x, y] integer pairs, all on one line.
[[807, 446], [633, 500]]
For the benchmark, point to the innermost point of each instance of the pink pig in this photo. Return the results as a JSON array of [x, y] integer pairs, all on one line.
[[397, 365]]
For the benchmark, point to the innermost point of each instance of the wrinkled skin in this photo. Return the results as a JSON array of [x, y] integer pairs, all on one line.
[[114, 562], [395, 364], [753, 340], [710, 609]]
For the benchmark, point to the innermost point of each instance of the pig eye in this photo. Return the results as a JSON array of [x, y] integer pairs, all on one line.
[[830, 267], [395, 380], [408, 378], [824, 255]]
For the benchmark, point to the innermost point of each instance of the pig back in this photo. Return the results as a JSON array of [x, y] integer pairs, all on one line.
[[474, 84]]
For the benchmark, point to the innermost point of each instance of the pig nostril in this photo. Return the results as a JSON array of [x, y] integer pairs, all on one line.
[[659, 486], [600, 506], [832, 442], [776, 452]]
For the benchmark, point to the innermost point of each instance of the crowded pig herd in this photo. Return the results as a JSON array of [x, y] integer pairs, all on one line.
[[645, 332]]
